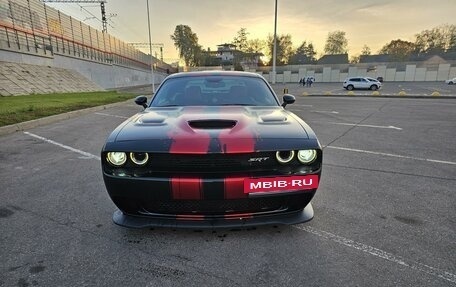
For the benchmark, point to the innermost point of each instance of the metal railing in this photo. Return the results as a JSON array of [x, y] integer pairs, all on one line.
[[30, 26]]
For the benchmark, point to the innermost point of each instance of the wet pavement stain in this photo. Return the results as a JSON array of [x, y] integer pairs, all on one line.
[[37, 269], [5, 212], [11, 269], [409, 220], [23, 283]]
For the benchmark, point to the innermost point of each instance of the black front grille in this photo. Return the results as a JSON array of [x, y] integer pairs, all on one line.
[[227, 207], [212, 162]]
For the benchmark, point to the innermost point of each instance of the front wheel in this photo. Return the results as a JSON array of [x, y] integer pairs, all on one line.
[[373, 87], [350, 87]]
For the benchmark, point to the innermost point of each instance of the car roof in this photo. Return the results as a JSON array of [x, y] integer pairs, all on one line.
[[214, 73], [349, 78]]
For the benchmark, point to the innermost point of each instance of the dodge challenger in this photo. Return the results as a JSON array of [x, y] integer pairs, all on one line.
[[212, 149]]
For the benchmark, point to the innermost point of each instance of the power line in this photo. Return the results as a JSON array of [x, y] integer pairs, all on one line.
[[104, 19]]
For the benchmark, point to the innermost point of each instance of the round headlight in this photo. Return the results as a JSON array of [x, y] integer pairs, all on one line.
[[285, 156], [139, 158], [116, 158], [307, 155]]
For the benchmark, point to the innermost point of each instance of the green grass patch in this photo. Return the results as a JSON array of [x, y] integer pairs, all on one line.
[[16, 109]]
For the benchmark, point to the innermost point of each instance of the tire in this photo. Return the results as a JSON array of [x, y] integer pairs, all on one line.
[[450, 83], [350, 87], [374, 87]]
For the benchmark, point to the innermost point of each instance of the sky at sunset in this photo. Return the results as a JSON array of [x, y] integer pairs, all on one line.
[[366, 22]]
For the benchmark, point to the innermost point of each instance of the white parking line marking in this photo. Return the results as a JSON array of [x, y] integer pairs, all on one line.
[[380, 253], [109, 115], [368, 126], [392, 155], [86, 154]]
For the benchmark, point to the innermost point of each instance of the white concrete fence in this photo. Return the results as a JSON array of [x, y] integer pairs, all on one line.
[[391, 72]]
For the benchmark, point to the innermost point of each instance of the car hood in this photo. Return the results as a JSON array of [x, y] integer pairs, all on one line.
[[227, 129]]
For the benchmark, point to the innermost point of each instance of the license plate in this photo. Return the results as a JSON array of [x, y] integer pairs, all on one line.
[[282, 183]]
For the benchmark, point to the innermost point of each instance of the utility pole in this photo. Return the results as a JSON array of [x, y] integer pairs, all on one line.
[[274, 53], [150, 49], [104, 21]]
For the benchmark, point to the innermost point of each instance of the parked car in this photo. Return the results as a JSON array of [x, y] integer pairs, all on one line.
[[372, 79], [451, 81], [361, 83], [212, 149]]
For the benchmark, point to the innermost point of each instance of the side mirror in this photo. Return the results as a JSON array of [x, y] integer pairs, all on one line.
[[288, 99], [141, 100]]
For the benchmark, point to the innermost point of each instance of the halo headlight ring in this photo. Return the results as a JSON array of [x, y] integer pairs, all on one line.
[[307, 156], [284, 157], [116, 158], [139, 158]]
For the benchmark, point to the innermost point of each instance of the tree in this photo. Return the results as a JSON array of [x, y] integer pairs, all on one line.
[[365, 51], [205, 58], [187, 43], [355, 59], [284, 48], [255, 46], [399, 50], [336, 43], [240, 40], [437, 40], [304, 54]]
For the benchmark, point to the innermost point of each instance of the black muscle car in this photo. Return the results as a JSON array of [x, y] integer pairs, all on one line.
[[212, 149]]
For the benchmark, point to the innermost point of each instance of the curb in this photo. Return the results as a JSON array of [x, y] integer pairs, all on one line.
[[5, 130], [382, 96]]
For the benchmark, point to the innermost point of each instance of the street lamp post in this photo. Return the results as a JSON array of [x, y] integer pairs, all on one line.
[[274, 53], [150, 49]]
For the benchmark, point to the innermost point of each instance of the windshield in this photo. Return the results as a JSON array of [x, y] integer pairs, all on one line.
[[214, 91]]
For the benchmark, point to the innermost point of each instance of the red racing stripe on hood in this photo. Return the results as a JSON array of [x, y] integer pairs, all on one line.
[[239, 139], [187, 140]]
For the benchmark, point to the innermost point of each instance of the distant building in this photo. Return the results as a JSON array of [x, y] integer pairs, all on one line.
[[225, 52], [381, 58], [333, 59]]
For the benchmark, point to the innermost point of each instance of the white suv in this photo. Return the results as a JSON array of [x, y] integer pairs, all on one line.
[[361, 83]]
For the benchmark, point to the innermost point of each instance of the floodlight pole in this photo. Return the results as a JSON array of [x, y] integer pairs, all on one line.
[[274, 53], [150, 49]]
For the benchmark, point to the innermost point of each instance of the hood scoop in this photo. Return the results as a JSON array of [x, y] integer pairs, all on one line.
[[212, 124], [273, 118], [151, 119]]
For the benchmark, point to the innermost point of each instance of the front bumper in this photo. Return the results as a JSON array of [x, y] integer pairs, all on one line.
[[294, 217]]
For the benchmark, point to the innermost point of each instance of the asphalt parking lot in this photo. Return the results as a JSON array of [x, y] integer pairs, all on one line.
[[384, 213]]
